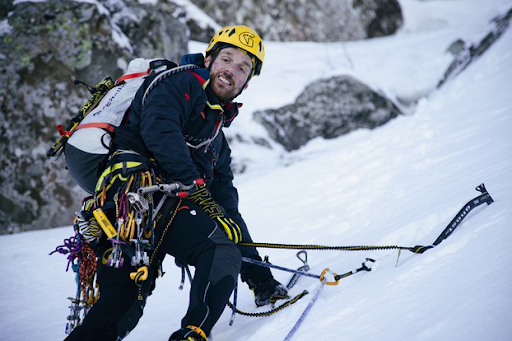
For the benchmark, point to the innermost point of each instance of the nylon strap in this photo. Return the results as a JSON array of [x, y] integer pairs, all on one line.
[[132, 75], [105, 126]]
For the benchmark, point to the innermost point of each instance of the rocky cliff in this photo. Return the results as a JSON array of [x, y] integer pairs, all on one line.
[[44, 47]]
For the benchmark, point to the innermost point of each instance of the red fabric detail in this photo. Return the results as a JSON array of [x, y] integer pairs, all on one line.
[[230, 104], [132, 75], [106, 126], [203, 115], [199, 78], [62, 132], [60, 129], [228, 107], [199, 182], [126, 118], [183, 208], [187, 97]]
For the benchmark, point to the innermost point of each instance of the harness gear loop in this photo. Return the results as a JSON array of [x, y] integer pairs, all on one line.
[[327, 270]]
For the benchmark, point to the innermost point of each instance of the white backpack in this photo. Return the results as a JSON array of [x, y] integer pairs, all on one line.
[[87, 147], [91, 134]]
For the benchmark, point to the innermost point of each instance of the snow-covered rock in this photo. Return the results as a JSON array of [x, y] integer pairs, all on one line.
[[44, 46], [327, 108]]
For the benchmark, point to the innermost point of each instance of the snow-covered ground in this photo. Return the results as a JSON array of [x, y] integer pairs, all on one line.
[[398, 184]]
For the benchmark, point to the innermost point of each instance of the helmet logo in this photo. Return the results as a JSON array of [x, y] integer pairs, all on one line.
[[247, 39]]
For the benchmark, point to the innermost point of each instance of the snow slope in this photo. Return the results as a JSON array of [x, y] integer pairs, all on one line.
[[399, 184]]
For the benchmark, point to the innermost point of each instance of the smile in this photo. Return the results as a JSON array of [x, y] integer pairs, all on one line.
[[224, 80]]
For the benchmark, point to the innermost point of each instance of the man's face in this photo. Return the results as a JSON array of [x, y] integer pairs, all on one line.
[[229, 72]]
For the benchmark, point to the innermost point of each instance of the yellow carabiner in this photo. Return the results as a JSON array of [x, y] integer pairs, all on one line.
[[150, 180], [141, 274], [333, 273], [128, 184]]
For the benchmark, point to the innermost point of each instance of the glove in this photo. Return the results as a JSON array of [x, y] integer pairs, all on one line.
[[268, 292], [202, 197]]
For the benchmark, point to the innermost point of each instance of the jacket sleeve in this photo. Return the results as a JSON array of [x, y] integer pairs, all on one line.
[[226, 195], [168, 106]]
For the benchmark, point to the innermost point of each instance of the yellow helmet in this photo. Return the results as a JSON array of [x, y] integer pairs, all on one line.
[[242, 37]]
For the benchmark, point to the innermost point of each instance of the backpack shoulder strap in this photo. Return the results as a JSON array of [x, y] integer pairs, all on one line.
[[141, 67], [163, 75]]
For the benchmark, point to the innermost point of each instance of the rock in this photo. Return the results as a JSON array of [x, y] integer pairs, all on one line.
[[308, 20], [153, 32], [468, 53], [44, 46], [379, 17], [457, 47], [316, 114]]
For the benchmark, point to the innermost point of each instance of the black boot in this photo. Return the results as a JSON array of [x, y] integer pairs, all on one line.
[[190, 333], [269, 292]]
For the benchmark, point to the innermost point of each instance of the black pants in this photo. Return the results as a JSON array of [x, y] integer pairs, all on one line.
[[192, 238]]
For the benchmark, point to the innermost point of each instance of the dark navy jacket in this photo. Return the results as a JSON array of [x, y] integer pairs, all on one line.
[[180, 116], [182, 112]]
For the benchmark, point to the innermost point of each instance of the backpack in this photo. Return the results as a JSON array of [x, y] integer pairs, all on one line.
[[87, 142]]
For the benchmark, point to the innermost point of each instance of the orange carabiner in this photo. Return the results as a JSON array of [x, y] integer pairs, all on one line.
[[333, 273]]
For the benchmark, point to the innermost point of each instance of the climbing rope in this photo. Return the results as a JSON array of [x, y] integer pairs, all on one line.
[[273, 311], [87, 272], [485, 197]]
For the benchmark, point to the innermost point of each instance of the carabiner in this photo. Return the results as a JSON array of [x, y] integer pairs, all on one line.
[[332, 273]]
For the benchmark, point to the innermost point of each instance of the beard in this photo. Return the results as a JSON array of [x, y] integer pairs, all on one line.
[[223, 90]]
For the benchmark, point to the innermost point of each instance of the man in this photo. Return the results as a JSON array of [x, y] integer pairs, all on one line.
[[180, 125]]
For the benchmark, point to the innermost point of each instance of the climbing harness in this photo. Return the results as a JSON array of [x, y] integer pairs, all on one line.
[[132, 238], [129, 215], [136, 217]]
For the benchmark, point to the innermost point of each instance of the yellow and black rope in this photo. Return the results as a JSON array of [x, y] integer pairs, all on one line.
[[273, 311], [326, 247]]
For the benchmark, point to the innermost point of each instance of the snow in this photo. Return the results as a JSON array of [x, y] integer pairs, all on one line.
[[196, 14], [400, 184], [5, 28]]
